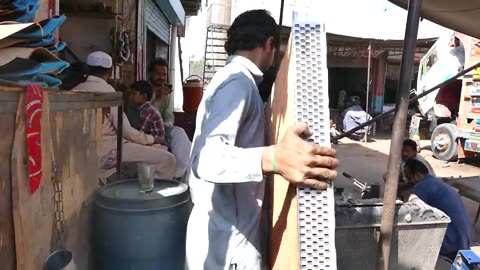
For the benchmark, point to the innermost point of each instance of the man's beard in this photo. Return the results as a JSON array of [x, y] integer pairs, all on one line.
[[157, 82]]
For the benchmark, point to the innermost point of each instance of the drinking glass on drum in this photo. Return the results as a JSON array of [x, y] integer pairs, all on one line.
[[146, 179]]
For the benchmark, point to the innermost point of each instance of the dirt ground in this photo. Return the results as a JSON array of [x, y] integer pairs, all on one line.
[[368, 162]]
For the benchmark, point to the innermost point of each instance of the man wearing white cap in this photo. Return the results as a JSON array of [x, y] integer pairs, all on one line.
[[136, 145]]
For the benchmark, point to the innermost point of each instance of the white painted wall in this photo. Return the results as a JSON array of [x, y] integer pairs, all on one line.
[[193, 45]]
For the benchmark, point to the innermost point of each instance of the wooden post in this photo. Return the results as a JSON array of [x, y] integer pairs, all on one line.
[[7, 234], [284, 246]]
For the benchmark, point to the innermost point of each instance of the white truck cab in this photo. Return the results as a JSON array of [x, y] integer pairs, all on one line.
[[442, 62]]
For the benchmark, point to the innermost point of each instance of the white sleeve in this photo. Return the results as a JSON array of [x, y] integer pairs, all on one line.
[[215, 158]]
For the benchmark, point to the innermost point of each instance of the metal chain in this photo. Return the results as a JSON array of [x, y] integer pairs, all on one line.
[[58, 197]]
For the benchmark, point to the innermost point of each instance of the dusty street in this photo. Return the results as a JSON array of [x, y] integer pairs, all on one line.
[[368, 162]]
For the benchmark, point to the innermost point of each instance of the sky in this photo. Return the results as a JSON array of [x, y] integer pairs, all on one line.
[[378, 19]]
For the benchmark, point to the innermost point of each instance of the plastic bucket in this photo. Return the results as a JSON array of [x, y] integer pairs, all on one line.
[[192, 93]]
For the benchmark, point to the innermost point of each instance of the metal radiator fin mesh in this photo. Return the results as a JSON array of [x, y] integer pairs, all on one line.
[[316, 217]]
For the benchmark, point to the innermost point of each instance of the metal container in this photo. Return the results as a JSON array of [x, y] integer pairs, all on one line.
[[61, 259], [134, 230], [418, 236]]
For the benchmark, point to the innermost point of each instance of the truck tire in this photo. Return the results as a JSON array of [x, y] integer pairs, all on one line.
[[444, 142]]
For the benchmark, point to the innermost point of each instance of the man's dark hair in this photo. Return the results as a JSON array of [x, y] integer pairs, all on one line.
[[143, 87], [99, 71], [416, 166], [410, 143], [251, 30], [157, 62]]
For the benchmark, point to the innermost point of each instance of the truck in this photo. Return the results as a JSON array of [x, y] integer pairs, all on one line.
[[452, 112]]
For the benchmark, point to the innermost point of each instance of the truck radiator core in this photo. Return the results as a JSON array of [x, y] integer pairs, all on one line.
[[316, 217]]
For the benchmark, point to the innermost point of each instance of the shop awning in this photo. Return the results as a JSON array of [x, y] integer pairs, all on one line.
[[173, 10], [459, 15], [191, 7]]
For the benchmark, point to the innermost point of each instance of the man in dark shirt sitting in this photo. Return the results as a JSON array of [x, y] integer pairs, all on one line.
[[440, 195]]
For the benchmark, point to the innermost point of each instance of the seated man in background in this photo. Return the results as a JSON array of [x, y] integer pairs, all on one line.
[[136, 145], [440, 195], [150, 119], [353, 117], [177, 139]]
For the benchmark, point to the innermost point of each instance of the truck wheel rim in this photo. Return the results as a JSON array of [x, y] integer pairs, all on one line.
[[441, 142]]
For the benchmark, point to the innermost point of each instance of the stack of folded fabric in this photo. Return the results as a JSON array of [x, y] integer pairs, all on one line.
[[26, 47], [22, 11], [39, 34], [31, 65]]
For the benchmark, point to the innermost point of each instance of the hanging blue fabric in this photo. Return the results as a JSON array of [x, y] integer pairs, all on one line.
[[21, 67], [49, 80], [21, 15], [14, 4], [40, 79], [45, 42], [48, 26], [17, 4], [58, 47], [29, 15]]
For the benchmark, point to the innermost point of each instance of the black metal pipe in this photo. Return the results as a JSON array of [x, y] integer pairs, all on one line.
[[282, 5], [394, 158], [180, 57], [380, 116], [277, 59], [119, 141]]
